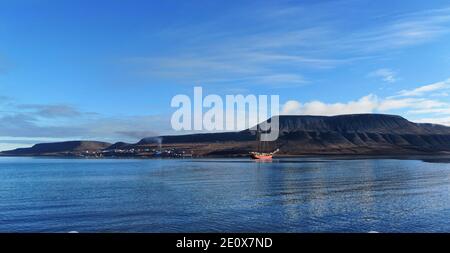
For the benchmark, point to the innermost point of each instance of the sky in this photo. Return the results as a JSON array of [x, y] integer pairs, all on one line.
[[107, 70]]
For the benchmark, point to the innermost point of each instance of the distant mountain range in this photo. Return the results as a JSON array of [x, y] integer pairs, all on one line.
[[59, 148], [368, 134]]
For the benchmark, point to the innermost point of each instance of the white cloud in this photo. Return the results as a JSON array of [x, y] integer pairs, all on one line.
[[405, 30], [402, 103], [51, 111], [440, 94], [413, 104], [385, 74], [425, 89], [439, 111], [394, 104], [366, 104], [282, 46], [439, 120]]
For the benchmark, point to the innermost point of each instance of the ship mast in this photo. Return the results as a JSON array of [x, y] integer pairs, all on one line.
[[261, 143]]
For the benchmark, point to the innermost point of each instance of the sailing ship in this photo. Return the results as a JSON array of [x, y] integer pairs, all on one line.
[[261, 154]]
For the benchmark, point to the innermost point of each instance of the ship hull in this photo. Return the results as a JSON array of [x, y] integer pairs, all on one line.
[[261, 157]]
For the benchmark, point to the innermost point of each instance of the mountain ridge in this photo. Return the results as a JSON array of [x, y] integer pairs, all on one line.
[[59, 147], [299, 134]]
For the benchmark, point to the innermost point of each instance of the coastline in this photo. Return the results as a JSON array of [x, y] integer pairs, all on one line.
[[431, 158]]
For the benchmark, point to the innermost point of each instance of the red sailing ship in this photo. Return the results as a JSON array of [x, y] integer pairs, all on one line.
[[262, 156]]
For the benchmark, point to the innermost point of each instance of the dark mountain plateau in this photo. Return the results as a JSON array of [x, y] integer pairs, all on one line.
[[365, 134]]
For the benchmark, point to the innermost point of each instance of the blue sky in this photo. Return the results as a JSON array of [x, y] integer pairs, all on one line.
[[107, 70]]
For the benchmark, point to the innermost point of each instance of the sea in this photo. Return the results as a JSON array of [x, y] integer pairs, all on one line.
[[313, 194]]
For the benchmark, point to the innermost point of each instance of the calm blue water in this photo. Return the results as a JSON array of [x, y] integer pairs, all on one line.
[[225, 195]]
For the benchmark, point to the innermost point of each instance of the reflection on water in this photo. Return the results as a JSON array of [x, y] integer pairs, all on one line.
[[225, 195]]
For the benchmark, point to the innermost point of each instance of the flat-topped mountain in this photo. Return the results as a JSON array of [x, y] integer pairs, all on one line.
[[374, 123], [342, 134], [378, 134]]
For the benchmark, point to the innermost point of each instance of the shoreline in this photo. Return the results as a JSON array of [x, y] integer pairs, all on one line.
[[440, 158]]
